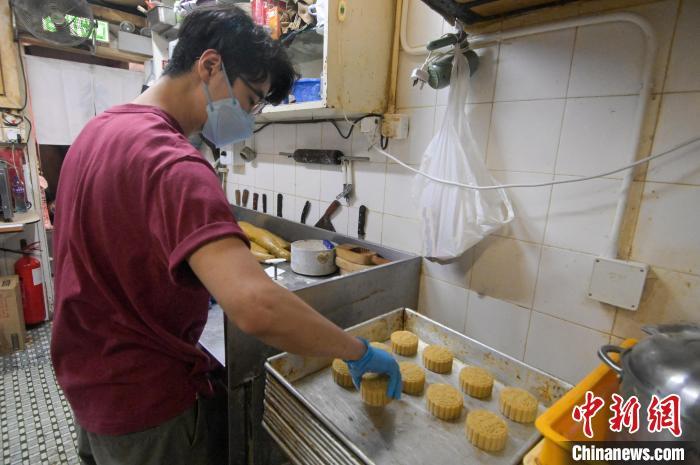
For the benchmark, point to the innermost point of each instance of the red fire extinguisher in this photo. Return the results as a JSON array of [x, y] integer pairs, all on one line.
[[31, 282]]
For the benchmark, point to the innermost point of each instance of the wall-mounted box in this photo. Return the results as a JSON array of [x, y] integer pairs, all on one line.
[[134, 43], [618, 282]]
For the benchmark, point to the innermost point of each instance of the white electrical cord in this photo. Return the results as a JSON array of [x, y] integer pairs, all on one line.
[[543, 184]]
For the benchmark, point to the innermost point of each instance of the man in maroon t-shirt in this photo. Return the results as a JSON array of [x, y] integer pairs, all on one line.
[[144, 234]]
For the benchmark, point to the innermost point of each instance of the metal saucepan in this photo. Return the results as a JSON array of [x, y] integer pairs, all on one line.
[[667, 362], [313, 257]]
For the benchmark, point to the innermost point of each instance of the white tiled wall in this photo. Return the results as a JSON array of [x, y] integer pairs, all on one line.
[[535, 67], [679, 120], [561, 348], [506, 269], [520, 142], [551, 106], [595, 135], [497, 323], [562, 290], [581, 214], [443, 302]]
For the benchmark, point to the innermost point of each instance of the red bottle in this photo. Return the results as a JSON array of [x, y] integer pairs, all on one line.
[[31, 282]]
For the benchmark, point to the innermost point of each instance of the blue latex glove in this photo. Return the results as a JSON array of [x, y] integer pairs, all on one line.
[[377, 361]]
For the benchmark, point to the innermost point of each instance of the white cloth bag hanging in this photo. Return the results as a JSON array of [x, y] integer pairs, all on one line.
[[456, 218]]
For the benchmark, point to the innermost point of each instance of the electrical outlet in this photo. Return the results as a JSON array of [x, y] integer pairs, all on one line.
[[395, 126], [369, 125], [226, 158], [618, 282], [12, 135], [16, 134]]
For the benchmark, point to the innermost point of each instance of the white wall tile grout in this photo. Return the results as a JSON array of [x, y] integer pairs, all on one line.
[[398, 216], [466, 311], [494, 170], [491, 101], [384, 191], [671, 270], [607, 333], [678, 92], [537, 275], [573, 97], [617, 312], [666, 66], [549, 204], [498, 58]]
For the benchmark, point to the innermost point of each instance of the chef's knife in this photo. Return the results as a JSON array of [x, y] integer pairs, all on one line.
[[361, 221], [325, 221], [305, 212]]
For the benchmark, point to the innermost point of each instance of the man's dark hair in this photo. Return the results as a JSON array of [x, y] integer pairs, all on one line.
[[246, 49]]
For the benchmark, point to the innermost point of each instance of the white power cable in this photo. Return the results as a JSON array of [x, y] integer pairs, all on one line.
[[543, 184]]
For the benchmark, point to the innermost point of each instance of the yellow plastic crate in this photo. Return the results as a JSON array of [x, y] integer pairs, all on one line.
[[559, 429]]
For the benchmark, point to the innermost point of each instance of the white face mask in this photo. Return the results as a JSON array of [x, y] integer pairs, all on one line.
[[227, 122]]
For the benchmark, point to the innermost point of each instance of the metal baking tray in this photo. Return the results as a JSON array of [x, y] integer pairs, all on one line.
[[318, 422]]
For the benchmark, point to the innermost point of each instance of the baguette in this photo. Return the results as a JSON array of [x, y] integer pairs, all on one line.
[[273, 244], [261, 254], [256, 233]]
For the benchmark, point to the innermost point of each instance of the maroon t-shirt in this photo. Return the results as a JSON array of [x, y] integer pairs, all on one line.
[[135, 200]]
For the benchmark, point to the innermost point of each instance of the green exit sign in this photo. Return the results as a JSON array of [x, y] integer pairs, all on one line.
[[81, 27]]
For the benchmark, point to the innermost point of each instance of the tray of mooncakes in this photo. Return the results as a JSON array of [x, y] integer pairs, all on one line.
[[462, 401]]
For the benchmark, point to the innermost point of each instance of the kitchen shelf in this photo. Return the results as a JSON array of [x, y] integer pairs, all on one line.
[[101, 51], [294, 110], [355, 64], [294, 107], [18, 222], [114, 16]]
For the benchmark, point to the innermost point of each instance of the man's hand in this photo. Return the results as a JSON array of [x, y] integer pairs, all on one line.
[[377, 361]]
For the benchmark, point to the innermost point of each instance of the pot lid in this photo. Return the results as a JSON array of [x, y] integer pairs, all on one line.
[[668, 362]]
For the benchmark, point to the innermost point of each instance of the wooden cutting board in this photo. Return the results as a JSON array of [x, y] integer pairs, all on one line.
[[350, 267], [355, 254]]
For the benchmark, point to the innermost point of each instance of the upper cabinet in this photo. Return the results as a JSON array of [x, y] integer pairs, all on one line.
[[10, 94], [351, 58], [345, 66]]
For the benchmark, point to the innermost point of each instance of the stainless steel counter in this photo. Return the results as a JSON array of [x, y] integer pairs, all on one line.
[[293, 281], [213, 338], [346, 300]]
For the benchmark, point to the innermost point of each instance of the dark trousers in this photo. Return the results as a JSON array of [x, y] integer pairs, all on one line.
[[180, 441]]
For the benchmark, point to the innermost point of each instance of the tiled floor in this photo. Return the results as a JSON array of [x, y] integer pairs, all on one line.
[[36, 422]]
